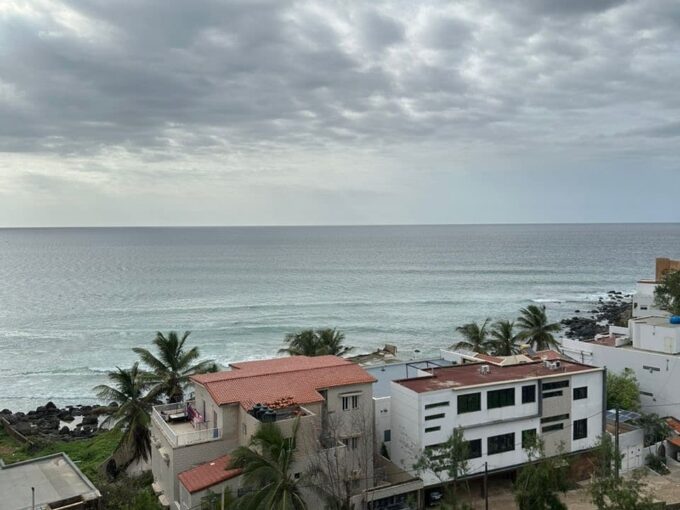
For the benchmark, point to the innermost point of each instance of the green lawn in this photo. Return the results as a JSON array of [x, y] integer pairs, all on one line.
[[87, 454]]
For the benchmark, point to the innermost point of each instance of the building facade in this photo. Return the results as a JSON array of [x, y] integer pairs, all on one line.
[[499, 408]]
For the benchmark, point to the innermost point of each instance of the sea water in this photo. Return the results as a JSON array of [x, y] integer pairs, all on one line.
[[73, 302]]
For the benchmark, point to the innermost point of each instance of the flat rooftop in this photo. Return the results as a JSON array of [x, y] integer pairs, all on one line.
[[656, 321], [55, 478], [461, 376], [385, 374]]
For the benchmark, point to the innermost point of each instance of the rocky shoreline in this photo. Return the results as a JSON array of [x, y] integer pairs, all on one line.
[[50, 422], [616, 309]]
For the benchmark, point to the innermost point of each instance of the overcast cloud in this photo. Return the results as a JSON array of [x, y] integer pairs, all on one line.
[[271, 112]]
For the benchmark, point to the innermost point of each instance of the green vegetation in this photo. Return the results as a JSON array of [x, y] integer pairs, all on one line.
[[132, 415], [535, 329], [500, 339], [667, 293], [448, 462], [656, 428], [540, 482], [503, 338], [87, 454], [476, 337], [171, 369], [623, 390], [266, 466], [609, 492], [318, 342]]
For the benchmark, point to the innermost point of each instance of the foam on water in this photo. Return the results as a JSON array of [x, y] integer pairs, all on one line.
[[73, 302]]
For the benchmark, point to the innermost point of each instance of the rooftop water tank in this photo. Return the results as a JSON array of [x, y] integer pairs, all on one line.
[[675, 319]]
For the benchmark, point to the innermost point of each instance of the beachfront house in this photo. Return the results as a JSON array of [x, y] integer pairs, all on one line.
[[328, 397], [499, 403]]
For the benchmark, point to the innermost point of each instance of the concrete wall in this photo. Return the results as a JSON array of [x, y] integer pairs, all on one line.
[[651, 337], [406, 434], [383, 421], [192, 501], [657, 373]]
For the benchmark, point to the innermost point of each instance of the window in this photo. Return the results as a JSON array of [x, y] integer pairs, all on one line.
[[558, 417], [350, 402], [387, 436], [528, 394], [500, 398], [437, 404], [552, 394], [581, 392], [555, 385], [474, 448], [350, 442], [581, 428], [528, 437], [557, 426], [469, 403], [432, 429], [500, 444], [435, 416]]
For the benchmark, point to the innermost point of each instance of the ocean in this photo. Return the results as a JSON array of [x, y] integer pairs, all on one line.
[[73, 302]]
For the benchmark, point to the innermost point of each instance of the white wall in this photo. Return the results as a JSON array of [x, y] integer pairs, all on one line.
[[643, 300], [590, 408], [383, 421], [406, 435], [650, 337], [657, 373]]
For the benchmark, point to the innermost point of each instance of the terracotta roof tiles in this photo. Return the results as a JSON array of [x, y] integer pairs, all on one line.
[[206, 475]]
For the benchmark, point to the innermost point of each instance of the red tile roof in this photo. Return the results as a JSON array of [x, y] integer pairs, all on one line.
[[674, 424], [208, 474], [460, 376], [297, 377], [548, 354]]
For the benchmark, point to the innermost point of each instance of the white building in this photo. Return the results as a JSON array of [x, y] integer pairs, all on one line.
[[650, 346], [643, 299], [499, 407]]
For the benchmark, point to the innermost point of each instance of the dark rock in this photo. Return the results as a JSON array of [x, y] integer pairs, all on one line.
[[50, 405], [5, 411], [64, 430], [67, 417], [23, 427], [90, 420], [577, 311]]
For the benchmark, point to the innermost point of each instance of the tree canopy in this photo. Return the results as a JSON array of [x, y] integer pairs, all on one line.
[[535, 328], [623, 390], [540, 481], [609, 492], [319, 342], [475, 337], [667, 293]]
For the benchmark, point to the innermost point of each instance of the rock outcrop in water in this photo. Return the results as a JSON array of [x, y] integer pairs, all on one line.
[[50, 422], [615, 310]]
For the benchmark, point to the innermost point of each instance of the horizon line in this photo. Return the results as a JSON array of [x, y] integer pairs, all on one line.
[[339, 225]]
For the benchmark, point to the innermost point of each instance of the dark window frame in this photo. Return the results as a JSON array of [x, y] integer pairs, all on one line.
[[580, 393], [555, 385], [433, 429], [550, 428], [474, 452], [528, 394], [435, 416], [437, 404], [526, 433], [496, 399], [466, 403], [580, 429], [500, 444]]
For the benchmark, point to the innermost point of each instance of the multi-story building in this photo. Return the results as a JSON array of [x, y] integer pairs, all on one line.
[[499, 404], [643, 299], [650, 346], [329, 398]]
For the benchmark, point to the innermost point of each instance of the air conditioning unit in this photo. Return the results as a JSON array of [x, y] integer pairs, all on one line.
[[484, 369]]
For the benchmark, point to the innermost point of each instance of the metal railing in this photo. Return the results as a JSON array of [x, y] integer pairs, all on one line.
[[177, 439]]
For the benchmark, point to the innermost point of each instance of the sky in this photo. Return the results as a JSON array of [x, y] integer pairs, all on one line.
[[258, 112]]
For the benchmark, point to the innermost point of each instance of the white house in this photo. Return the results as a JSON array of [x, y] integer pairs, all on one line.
[[499, 407], [650, 346]]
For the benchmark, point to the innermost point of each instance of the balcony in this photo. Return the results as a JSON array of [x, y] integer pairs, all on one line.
[[179, 429]]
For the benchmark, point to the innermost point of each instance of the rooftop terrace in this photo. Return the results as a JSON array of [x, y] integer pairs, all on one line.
[[469, 374]]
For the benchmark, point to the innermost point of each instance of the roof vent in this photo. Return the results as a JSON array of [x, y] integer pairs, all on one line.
[[484, 369]]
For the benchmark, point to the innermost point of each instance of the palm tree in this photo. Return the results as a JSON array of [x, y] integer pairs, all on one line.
[[309, 342], [330, 342], [476, 337], [132, 413], [504, 340], [302, 343], [534, 327], [266, 465], [173, 366]]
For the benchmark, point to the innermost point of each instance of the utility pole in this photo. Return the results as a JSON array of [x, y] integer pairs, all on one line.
[[32, 498], [486, 485], [617, 459]]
